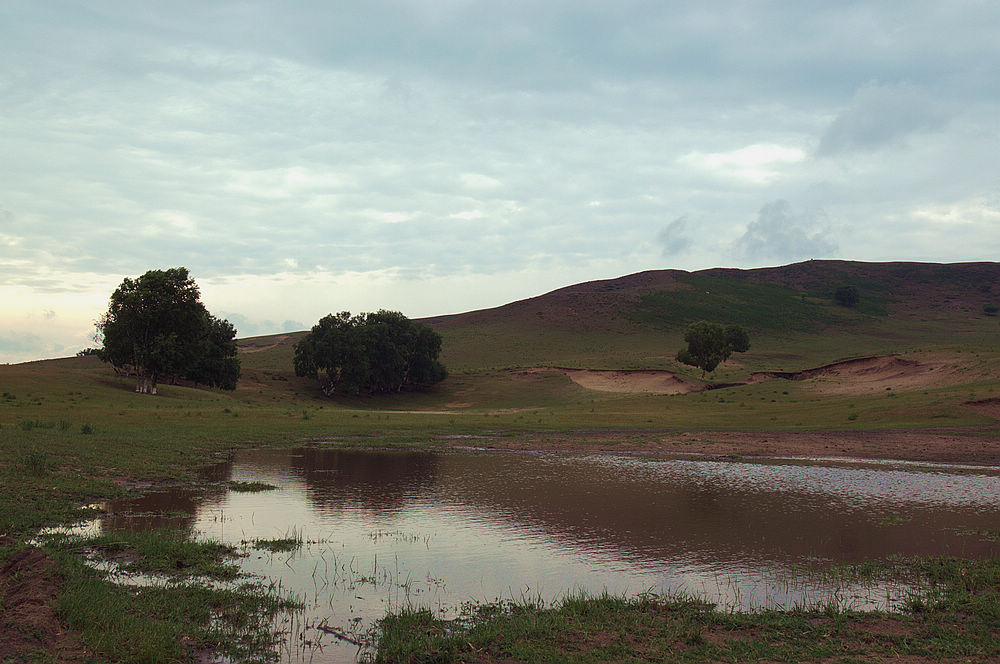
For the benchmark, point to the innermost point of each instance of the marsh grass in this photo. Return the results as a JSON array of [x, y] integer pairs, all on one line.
[[952, 612], [291, 542], [34, 462], [160, 552], [170, 623], [250, 487]]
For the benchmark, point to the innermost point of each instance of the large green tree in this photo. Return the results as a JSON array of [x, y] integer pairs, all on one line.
[[372, 353], [157, 328], [710, 344]]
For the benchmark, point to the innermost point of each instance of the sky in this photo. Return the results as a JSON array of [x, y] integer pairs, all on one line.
[[440, 156]]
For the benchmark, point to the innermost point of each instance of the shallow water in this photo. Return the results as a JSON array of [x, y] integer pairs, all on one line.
[[385, 529]]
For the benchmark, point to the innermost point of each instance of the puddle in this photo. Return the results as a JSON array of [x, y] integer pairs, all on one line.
[[382, 530]]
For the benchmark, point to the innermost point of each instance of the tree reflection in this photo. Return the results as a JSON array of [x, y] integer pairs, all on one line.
[[376, 480]]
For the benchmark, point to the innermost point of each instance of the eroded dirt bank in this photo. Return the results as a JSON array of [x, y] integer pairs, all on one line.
[[976, 445], [28, 622], [855, 376]]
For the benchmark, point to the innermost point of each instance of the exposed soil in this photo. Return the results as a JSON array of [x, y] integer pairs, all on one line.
[[28, 621], [979, 445], [988, 407], [856, 376], [875, 374], [612, 380], [250, 345]]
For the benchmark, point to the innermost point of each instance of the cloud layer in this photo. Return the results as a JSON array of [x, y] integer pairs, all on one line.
[[442, 156]]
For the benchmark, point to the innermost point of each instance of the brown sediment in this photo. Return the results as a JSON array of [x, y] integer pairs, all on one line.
[[971, 445]]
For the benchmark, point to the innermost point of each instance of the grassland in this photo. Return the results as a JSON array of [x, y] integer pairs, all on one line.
[[72, 433]]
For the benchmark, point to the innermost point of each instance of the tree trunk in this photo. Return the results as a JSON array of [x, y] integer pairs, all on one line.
[[153, 387]]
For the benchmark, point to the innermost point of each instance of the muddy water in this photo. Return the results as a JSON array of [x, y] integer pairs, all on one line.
[[384, 529]]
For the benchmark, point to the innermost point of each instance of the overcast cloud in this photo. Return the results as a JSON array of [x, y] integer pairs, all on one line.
[[302, 158]]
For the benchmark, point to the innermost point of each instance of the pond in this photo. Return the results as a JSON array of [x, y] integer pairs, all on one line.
[[383, 529]]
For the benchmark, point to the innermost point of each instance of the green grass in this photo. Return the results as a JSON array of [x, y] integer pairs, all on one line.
[[168, 623], [158, 552]]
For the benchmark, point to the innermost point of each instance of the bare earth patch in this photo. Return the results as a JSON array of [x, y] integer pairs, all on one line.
[[875, 374], [857, 376], [250, 347], [654, 382], [987, 407], [626, 381]]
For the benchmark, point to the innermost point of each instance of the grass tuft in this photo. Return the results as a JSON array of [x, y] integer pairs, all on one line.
[[250, 487]]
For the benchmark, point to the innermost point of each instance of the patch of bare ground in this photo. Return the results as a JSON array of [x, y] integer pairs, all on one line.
[[855, 376], [929, 445], [988, 407], [648, 381], [249, 345], [29, 626], [878, 373]]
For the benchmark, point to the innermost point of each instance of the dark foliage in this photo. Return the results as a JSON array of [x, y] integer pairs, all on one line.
[[710, 344], [370, 353], [847, 296], [737, 339], [157, 328]]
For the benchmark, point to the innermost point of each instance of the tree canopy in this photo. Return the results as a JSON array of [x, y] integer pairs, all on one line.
[[710, 344], [371, 352], [156, 327], [847, 296]]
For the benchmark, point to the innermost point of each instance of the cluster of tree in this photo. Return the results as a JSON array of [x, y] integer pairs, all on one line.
[[156, 328], [847, 296], [711, 344], [371, 353]]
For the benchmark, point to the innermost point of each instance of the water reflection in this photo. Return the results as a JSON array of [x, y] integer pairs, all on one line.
[[383, 529]]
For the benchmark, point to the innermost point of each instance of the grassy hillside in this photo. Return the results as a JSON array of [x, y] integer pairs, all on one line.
[[637, 321]]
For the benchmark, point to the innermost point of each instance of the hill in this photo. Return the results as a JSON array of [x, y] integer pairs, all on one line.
[[636, 321], [593, 353]]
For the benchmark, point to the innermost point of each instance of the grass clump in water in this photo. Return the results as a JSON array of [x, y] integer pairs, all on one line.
[[166, 552], [276, 545], [250, 487]]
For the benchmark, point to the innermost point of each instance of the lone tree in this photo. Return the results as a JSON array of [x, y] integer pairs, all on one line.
[[372, 353], [710, 344], [847, 296], [156, 327]]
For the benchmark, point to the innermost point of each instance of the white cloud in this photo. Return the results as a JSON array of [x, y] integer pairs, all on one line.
[[757, 163]]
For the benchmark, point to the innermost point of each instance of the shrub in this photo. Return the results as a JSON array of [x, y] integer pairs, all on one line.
[[990, 309]]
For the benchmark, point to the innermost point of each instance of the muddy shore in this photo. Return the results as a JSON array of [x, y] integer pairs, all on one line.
[[970, 445]]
